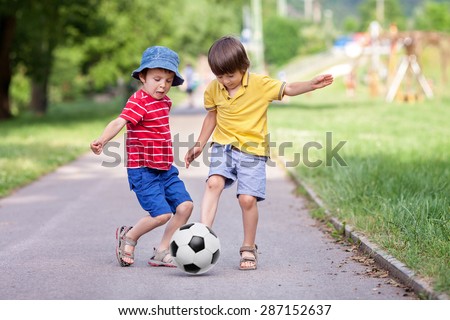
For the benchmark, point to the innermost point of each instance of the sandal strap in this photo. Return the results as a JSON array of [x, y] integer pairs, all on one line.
[[248, 259], [253, 259], [129, 241], [128, 254], [252, 249], [123, 236], [123, 241], [163, 256]]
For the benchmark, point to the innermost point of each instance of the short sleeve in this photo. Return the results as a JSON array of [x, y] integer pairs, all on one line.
[[273, 88], [133, 111], [208, 98]]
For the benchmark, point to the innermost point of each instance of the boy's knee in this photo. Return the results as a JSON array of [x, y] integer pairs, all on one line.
[[162, 219], [215, 183], [247, 201], [185, 208]]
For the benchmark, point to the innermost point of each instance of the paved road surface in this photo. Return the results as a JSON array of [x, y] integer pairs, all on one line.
[[57, 240]]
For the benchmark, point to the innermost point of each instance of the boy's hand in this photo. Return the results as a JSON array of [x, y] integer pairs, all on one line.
[[296, 88], [111, 130], [192, 154], [321, 81], [96, 146]]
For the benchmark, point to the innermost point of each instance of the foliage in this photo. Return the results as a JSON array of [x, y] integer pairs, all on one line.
[[314, 39], [67, 82], [37, 22], [132, 26], [393, 13], [433, 16], [39, 28], [20, 92], [132, 29], [197, 27], [350, 24], [282, 39], [99, 42]]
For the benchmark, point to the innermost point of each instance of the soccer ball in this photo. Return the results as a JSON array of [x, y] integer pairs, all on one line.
[[195, 248]]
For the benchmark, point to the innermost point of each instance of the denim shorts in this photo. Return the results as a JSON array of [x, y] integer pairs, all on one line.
[[232, 164], [158, 191]]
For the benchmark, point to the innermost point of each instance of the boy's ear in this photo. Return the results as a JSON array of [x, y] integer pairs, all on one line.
[[142, 77]]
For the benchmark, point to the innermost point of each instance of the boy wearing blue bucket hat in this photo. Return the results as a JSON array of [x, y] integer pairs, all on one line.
[[151, 174]]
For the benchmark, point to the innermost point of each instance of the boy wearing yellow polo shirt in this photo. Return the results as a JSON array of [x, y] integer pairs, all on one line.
[[237, 103]]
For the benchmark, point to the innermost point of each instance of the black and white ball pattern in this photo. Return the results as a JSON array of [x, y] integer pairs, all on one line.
[[195, 248]]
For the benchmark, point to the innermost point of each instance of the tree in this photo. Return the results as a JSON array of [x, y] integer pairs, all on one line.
[[188, 27], [201, 23], [44, 25], [392, 14], [281, 37], [433, 16], [30, 32], [103, 40], [132, 27], [8, 24], [7, 29], [350, 24]]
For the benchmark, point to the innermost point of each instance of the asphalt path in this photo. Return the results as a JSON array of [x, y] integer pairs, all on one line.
[[57, 239]]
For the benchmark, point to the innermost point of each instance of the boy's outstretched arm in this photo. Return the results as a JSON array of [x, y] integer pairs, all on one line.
[[296, 88], [111, 130], [209, 124]]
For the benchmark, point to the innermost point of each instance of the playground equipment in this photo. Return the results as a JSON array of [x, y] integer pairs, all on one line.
[[414, 43], [395, 73], [408, 61]]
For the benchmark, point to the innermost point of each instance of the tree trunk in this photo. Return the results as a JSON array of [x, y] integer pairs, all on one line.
[[40, 77], [7, 29], [38, 102]]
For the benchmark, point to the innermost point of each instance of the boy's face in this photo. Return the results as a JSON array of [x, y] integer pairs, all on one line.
[[231, 81], [157, 82]]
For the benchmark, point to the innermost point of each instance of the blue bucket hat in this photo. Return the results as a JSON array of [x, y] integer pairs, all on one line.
[[160, 57]]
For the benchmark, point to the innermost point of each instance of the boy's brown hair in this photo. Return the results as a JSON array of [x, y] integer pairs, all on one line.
[[227, 55]]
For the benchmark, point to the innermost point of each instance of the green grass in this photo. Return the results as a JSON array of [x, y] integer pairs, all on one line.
[[32, 146], [396, 186]]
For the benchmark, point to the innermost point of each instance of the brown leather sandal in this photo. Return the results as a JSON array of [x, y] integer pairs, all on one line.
[[253, 250]]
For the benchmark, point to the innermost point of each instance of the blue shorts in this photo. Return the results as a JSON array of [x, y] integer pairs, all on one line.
[[232, 164], [158, 191]]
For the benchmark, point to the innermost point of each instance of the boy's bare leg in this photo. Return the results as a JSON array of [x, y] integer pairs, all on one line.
[[214, 188], [180, 218], [250, 217], [144, 225]]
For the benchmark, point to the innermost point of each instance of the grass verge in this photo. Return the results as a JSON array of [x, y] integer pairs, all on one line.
[[394, 182], [33, 146]]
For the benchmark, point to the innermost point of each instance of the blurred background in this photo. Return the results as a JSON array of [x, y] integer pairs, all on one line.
[[65, 71], [61, 50]]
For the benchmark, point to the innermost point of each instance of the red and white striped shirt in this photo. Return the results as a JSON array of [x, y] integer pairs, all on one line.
[[149, 142]]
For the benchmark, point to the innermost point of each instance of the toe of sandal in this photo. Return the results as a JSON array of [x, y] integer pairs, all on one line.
[[254, 260]]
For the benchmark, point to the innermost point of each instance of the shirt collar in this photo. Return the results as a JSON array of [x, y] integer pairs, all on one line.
[[245, 78]]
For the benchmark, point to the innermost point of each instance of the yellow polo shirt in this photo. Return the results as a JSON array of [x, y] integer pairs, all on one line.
[[242, 119]]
